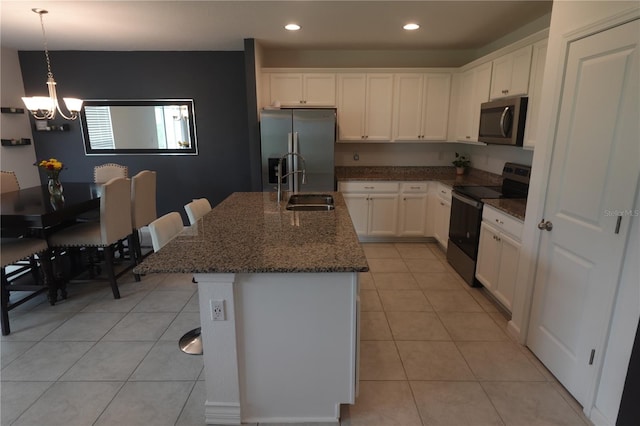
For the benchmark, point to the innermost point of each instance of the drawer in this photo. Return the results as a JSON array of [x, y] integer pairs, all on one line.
[[407, 187], [443, 191], [368, 186], [502, 221]]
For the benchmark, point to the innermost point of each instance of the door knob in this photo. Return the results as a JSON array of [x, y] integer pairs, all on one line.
[[545, 225]]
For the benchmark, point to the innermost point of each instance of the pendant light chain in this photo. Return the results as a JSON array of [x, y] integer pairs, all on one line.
[[46, 47]]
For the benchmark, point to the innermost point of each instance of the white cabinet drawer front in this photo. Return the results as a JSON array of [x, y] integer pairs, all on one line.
[[363, 186], [504, 222], [414, 186], [443, 191]]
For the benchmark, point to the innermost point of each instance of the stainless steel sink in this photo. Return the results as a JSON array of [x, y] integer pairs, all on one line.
[[310, 202]]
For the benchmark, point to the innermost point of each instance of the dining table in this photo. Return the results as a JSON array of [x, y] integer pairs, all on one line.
[[34, 212]]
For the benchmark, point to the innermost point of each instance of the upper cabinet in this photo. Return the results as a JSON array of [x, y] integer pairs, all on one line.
[[538, 59], [421, 106], [303, 89], [365, 107], [473, 90], [510, 76]]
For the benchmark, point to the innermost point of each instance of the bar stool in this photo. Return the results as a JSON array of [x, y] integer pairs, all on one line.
[[163, 230]]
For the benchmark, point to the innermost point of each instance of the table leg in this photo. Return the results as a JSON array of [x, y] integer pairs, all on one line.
[[48, 277]]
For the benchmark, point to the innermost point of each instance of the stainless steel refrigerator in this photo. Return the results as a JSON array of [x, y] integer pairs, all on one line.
[[308, 132]]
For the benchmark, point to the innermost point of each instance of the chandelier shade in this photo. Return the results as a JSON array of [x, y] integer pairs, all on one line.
[[46, 108]]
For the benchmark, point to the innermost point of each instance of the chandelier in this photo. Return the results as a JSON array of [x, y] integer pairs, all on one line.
[[43, 107]]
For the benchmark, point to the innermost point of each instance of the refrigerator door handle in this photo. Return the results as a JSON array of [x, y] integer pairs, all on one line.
[[294, 159]]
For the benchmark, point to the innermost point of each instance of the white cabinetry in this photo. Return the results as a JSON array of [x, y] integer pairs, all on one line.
[[413, 219], [421, 106], [303, 89], [498, 253], [473, 90], [365, 107], [538, 59], [373, 207], [441, 208], [510, 76]]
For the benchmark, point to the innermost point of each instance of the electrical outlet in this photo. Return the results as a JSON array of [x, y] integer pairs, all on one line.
[[217, 310]]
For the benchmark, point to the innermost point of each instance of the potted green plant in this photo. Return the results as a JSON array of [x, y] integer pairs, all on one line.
[[461, 162]]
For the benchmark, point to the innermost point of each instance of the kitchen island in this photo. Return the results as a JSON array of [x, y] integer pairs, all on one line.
[[278, 294]]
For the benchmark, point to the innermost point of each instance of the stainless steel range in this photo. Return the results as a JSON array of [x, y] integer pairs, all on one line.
[[466, 216]]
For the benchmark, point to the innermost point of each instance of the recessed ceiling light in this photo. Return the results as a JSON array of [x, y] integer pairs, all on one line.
[[411, 27], [292, 27]]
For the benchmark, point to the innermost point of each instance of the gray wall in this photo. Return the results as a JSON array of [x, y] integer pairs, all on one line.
[[215, 81]]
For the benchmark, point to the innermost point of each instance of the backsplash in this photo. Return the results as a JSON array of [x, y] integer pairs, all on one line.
[[490, 158]]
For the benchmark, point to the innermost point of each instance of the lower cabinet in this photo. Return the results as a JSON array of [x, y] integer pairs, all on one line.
[[498, 254], [373, 207], [414, 216], [398, 209]]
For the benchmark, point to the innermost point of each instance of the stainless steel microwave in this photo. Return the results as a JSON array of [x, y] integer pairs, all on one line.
[[502, 121]]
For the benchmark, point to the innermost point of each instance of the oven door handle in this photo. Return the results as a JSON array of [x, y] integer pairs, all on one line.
[[473, 203]]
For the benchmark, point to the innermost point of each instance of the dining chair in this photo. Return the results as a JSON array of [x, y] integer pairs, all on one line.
[[165, 229], [105, 172], [114, 225], [13, 250], [143, 207], [196, 209], [9, 182]]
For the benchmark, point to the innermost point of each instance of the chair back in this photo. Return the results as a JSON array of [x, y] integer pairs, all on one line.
[[164, 229], [143, 199], [196, 209], [9, 182], [105, 172], [115, 210]]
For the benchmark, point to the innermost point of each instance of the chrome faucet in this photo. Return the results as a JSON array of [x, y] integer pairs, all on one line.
[[291, 173]]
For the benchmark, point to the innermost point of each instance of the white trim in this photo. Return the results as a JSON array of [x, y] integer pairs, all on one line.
[[222, 413], [598, 419]]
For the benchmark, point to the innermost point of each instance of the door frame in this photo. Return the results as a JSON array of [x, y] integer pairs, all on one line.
[[548, 126]]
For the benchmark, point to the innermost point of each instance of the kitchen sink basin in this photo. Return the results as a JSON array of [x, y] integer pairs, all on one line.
[[310, 202]]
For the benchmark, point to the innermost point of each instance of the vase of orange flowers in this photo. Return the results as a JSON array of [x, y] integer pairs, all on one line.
[[52, 168]]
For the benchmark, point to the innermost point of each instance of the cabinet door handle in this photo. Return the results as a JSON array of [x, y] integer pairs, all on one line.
[[415, 187], [500, 222], [441, 203], [369, 187], [404, 199]]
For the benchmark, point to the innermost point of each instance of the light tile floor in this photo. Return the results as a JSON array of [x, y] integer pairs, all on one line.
[[433, 352]]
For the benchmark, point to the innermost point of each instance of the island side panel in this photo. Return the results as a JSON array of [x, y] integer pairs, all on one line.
[[222, 402], [297, 344]]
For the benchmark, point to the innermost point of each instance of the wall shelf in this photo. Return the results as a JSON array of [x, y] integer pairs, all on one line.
[[12, 110], [16, 142]]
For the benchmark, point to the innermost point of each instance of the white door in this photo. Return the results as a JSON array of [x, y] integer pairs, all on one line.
[[593, 178], [379, 107]]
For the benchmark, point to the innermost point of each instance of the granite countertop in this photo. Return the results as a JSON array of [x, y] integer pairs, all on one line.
[[249, 233], [443, 174], [512, 206]]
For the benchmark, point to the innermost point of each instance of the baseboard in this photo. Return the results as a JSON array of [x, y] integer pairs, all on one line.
[[513, 330], [598, 419], [222, 413]]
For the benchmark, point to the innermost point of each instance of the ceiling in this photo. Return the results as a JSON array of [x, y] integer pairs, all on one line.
[[222, 25]]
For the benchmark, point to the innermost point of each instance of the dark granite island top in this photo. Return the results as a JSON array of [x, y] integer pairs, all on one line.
[[249, 233]]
